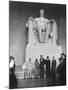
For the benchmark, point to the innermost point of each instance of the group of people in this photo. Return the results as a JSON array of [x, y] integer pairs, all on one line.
[[47, 67], [42, 68]]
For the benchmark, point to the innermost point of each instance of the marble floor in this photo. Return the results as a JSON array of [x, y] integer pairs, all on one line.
[[30, 83]]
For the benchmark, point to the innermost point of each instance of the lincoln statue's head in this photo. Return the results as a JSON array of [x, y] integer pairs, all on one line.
[[42, 12]]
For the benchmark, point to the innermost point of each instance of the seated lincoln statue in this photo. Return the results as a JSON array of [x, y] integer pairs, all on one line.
[[42, 30], [42, 38]]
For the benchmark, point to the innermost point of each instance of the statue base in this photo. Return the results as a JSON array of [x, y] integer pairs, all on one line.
[[45, 49]]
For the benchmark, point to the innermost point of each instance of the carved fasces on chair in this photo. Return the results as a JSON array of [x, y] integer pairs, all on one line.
[[55, 36], [29, 25], [53, 32]]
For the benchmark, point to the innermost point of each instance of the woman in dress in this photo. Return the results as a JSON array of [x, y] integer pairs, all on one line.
[[36, 68]]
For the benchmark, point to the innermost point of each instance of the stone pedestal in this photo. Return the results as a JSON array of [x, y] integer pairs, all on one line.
[[45, 49]]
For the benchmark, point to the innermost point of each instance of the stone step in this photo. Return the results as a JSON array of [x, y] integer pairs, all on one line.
[[21, 74]]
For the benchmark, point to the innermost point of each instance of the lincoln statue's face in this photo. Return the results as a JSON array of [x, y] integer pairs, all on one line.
[[41, 12]]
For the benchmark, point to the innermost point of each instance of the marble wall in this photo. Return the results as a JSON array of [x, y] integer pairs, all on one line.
[[18, 34]]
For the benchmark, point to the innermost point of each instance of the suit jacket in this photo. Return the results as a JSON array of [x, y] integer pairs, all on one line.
[[47, 62], [42, 63]]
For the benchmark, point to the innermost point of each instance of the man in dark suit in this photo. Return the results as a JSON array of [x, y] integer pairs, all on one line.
[[41, 66], [53, 68], [61, 69], [47, 62]]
